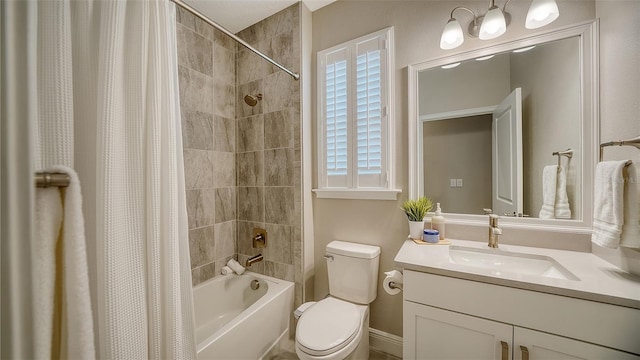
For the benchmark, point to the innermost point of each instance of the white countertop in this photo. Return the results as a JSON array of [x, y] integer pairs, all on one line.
[[599, 280]]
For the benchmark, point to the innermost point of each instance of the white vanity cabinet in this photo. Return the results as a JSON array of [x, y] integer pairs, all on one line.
[[451, 318]]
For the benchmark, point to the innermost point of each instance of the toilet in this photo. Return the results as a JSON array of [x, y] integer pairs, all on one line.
[[337, 327]]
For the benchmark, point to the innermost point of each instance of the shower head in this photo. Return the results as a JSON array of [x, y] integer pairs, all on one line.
[[252, 100]]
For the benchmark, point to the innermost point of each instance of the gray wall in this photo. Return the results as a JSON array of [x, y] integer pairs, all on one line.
[[458, 149], [418, 25], [464, 87]]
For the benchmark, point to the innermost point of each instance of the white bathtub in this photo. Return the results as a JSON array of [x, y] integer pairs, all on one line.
[[235, 322]]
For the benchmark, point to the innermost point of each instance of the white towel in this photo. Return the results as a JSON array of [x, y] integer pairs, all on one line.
[[75, 334], [561, 208], [549, 176], [235, 266], [608, 206], [555, 203], [48, 221], [631, 228]]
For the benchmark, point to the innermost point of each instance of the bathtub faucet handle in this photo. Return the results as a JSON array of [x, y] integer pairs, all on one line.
[[259, 238]]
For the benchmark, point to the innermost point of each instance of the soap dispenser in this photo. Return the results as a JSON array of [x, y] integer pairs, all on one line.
[[437, 221]]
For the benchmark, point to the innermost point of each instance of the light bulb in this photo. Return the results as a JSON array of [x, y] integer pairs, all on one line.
[[541, 13], [452, 35], [493, 24]]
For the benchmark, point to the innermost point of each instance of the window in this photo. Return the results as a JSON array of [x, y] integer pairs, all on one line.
[[355, 86]]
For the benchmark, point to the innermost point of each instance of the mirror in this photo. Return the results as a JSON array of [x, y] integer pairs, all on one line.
[[484, 126]]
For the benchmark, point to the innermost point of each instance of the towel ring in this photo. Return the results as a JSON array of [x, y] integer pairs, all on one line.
[[567, 153]]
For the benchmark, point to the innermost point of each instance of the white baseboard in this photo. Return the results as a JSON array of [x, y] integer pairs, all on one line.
[[385, 342]]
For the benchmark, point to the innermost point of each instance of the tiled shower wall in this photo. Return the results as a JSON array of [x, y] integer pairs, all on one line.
[[242, 163], [206, 70], [268, 147]]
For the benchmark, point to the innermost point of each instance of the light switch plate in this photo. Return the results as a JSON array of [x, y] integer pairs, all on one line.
[[459, 182]]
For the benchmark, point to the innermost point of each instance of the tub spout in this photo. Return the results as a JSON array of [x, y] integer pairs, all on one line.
[[254, 259]]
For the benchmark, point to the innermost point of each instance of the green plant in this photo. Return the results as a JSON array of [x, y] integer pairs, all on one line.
[[417, 209]]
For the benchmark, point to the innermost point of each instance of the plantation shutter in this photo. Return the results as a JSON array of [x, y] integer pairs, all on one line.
[[336, 119], [370, 107], [353, 125]]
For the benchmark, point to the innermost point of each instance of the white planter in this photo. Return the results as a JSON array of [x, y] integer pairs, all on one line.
[[415, 229]]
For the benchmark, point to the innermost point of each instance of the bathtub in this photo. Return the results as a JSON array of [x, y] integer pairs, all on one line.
[[235, 322]]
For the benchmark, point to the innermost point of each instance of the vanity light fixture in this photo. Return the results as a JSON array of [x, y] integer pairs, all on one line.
[[494, 23], [450, 66]]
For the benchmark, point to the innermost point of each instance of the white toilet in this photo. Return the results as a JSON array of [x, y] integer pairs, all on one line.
[[337, 327]]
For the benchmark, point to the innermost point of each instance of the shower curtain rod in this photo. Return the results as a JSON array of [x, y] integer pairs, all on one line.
[[233, 36]]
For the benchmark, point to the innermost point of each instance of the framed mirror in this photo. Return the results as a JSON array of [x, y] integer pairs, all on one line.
[[484, 127]]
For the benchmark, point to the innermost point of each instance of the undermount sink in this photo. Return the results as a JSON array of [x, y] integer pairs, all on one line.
[[504, 262]]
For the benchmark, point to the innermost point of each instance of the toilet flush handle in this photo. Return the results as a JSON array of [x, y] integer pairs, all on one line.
[[328, 257]]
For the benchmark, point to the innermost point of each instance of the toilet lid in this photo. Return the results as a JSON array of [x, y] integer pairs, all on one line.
[[327, 326]]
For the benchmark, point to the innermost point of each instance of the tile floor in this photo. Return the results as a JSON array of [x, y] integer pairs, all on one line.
[[286, 350], [373, 355]]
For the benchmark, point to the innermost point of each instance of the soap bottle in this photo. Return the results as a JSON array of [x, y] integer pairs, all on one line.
[[437, 221]]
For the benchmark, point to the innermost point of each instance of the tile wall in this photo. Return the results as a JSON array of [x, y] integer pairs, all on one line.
[[206, 70], [268, 147], [242, 163]]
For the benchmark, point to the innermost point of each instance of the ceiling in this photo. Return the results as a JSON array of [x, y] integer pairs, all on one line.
[[235, 15]]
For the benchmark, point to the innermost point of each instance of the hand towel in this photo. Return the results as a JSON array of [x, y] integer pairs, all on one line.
[[608, 206], [561, 208], [48, 223], [73, 337], [549, 185], [235, 266], [630, 236]]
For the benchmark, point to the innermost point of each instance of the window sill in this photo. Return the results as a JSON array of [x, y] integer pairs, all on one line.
[[357, 194]]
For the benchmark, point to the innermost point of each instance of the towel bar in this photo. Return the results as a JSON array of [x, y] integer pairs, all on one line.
[[635, 142], [45, 179]]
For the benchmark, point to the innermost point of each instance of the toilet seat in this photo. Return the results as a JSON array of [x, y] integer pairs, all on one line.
[[328, 327]]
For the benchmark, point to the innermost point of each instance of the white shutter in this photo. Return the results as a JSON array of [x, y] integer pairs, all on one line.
[[353, 113], [370, 102], [335, 104]]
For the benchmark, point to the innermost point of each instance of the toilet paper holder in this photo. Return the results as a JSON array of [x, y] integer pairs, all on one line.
[[394, 285]]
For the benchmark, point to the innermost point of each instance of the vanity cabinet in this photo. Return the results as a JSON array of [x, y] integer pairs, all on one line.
[[450, 318], [443, 334]]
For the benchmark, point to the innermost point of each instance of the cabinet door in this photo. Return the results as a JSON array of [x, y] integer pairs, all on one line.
[[432, 333], [535, 345]]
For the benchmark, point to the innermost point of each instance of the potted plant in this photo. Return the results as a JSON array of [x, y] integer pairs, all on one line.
[[416, 211]]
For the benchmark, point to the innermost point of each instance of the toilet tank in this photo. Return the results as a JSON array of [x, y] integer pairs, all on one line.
[[353, 271]]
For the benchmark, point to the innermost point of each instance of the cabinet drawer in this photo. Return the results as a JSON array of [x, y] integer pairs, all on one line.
[[603, 324]]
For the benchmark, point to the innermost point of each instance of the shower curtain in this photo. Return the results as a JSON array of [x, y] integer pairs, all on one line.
[[113, 106]]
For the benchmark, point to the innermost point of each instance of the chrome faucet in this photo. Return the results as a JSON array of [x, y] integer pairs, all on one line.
[[254, 259], [494, 231]]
